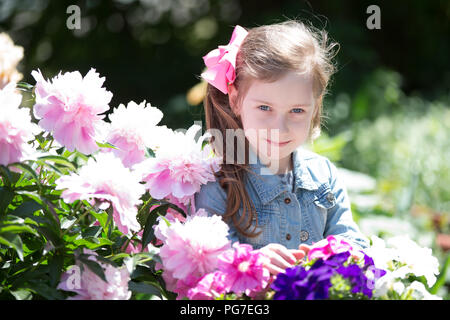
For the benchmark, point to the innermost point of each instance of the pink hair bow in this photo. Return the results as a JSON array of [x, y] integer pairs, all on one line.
[[221, 62]]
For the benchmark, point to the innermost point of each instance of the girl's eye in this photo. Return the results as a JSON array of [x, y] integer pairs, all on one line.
[[298, 110], [264, 108]]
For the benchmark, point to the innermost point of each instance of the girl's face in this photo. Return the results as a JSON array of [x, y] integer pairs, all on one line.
[[277, 116]]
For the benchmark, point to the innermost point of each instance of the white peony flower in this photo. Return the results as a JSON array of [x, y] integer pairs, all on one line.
[[108, 181], [401, 257], [133, 129], [419, 292], [10, 55], [16, 128], [398, 287], [381, 255], [89, 286], [191, 248], [419, 261], [180, 166]]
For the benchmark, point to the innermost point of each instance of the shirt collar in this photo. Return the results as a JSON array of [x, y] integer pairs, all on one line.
[[268, 186]]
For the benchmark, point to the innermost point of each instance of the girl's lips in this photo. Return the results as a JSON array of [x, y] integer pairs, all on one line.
[[278, 144]]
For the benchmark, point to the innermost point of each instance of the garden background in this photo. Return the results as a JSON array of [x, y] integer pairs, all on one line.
[[387, 120]]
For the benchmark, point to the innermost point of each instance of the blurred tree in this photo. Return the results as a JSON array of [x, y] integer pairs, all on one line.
[[152, 49]]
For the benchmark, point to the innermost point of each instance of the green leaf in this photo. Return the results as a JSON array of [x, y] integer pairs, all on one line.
[[106, 261], [6, 174], [92, 242], [56, 265], [142, 273], [6, 196], [13, 241], [93, 231], [109, 225], [26, 168], [51, 214], [60, 160], [94, 266], [67, 153], [142, 258], [120, 256], [150, 153], [51, 236], [78, 154], [101, 217], [22, 294], [442, 277], [144, 211], [17, 228], [30, 187], [171, 205], [106, 145], [24, 86], [142, 287], [27, 209], [45, 290], [54, 168], [149, 232], [17, 177], [165, 219], [66, 222]]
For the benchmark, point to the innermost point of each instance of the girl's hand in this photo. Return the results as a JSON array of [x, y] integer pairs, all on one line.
[[305, 248], [280, 257]]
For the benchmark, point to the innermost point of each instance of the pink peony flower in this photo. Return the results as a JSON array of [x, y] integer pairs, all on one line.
[[109, 182], [178, 286], [244, 269], [16, 128], [89, 286], [161, 228], [192, 248], [209, 287], [183, 203], [328, 247], [69, 106], [133, 129], [180, 167], [183, 286]]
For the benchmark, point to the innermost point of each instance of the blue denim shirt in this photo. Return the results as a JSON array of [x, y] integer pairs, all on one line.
[[318, 207]]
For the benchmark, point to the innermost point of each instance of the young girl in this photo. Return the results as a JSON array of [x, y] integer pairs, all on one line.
[[269, 82]]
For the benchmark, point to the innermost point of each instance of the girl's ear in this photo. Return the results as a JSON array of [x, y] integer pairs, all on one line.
[[232, 99]]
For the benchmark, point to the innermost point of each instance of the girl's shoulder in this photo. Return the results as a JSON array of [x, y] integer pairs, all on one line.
[[211, 197], [306, 154], [318, 167], [310, 159]]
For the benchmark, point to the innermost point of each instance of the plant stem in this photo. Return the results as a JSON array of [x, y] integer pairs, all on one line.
[[50, 145], [129, 240], [76, 221]]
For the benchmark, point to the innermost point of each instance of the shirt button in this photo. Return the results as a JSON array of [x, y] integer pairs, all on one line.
[[330, 197], [288, 236], [287, 200], [304, 235]]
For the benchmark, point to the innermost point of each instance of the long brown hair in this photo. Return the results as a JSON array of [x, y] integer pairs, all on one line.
[[266, 53]]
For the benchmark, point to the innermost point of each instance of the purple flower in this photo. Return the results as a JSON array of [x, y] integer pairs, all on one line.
[[337, 260], [368, 261], [357, 278], [298, 284], [377, 273], [285, 284]]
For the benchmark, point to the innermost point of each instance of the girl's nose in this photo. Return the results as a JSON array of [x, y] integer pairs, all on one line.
[[282, 125]]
